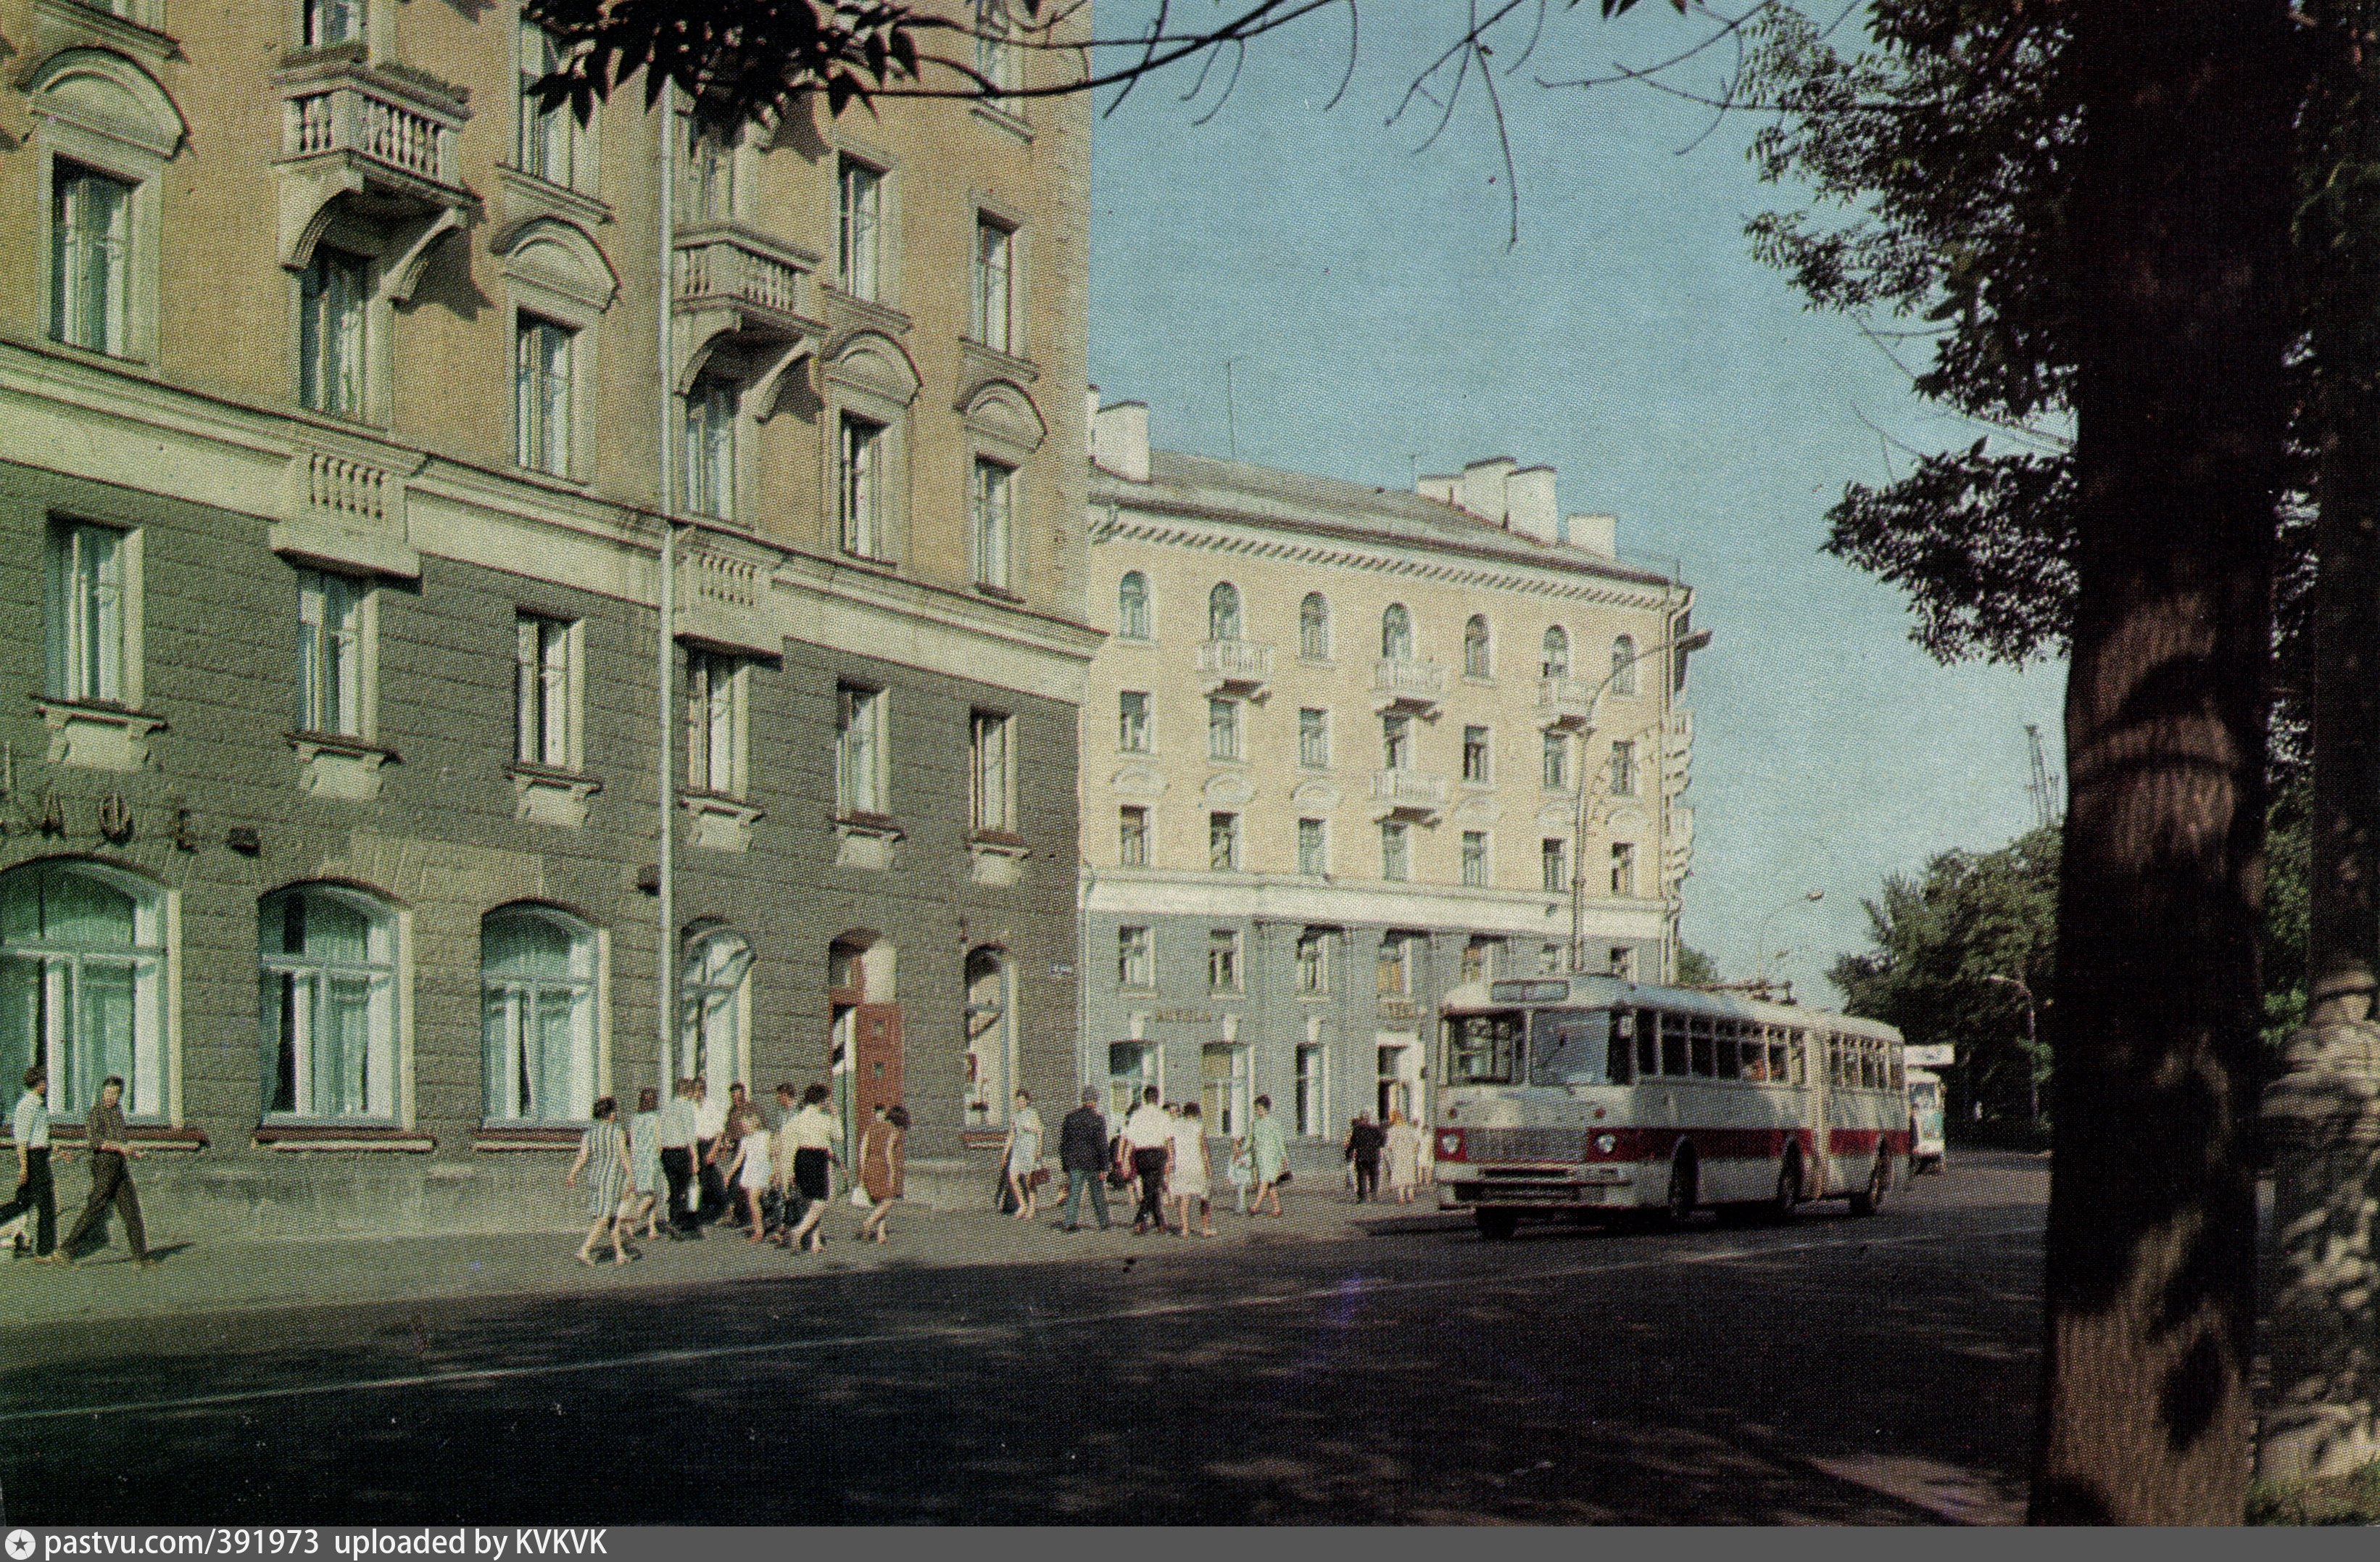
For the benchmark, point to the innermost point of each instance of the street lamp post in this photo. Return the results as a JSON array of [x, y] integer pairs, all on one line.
[[2031, 1043], [1695, 641], [1760, 938]]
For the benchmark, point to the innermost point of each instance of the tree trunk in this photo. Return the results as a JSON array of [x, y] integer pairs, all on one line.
[[2179, 235]]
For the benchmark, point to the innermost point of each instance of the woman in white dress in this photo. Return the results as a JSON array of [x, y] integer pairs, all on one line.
[[1023, 1153], [753, 1171], [1404, 1157], [1189, 1178]]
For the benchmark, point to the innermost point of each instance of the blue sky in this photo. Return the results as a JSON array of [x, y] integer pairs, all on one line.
[[1377, 321]]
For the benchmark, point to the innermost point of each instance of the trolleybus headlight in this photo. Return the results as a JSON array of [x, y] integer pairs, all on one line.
[[1449, 1144], [1604, 1143]]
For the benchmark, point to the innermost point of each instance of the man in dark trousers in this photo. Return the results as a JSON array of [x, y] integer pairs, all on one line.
[[1083, 1151], [30, 1124], [1148, 1141], [111, 1156], [1365, 1142], [674, 1133]]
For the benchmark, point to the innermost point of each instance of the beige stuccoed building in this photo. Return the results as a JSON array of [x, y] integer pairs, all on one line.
[[1346, 747], [335, 387]]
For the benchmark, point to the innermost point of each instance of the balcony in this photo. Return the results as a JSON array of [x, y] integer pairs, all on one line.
[[381, 142], [1239, 666], [1411, 793], [743, 304], [1415, 686], [1566, 702]]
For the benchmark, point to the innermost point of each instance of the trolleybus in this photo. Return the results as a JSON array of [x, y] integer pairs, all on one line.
[[1582, 1094]]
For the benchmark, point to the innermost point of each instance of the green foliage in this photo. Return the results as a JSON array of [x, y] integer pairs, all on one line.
[[1695, 968], [1940, 939], [2289, 852], [2352, 1498]]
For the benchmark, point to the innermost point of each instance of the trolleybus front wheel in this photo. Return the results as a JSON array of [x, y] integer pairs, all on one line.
[[1869, 1200], [1496, 1225]]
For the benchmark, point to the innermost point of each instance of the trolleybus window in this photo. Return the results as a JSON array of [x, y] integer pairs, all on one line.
[[1567, 1047], [1673, 1043], [1702, 1054], [1484, 1049]]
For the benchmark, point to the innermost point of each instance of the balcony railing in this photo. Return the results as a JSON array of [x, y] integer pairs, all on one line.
[[1567, 701], [731, 267], [1247, 664], [345, 110], [1396, 681], [1413, 790]]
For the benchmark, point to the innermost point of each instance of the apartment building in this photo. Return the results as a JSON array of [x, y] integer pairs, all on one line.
[[1346, 747], [346, 403]]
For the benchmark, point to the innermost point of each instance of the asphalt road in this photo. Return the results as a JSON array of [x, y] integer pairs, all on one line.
[[1827, 1370]]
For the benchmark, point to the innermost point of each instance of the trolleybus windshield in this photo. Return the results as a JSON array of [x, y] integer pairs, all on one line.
[[1484, 1049], [1568, 1047]]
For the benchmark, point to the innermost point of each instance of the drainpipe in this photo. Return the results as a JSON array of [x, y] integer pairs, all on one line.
[[665, 670]]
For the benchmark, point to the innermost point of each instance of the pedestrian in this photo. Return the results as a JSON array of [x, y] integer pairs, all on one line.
[[603, 1156], [727, 1153], [111, 1156], [1022, 1154], [1267, 1156], [30, 1123], [751, 1172], [1403, 1143], [710, 1128], [680, 1148], [883, 1161], [817, 1136], [1365, 1140], [1187, 1178], [1148, 1144], [645, 1162], [1239, 1171], [1083, 1156]]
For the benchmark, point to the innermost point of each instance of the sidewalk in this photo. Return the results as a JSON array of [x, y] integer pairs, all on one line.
[[206, 1275]]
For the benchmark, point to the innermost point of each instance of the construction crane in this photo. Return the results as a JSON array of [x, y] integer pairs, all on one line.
[[2044, 783]]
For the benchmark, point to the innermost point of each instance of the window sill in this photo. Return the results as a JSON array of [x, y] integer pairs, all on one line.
[[300, 1138], [544, 193], [997, 593], [496, 1139], [543, 795], [142, 1136], [854, 309], [1005, 119], [996, 857], [865, 840], [132, 34], [334, 764], [985, 361], [97, 736], [720, 823]]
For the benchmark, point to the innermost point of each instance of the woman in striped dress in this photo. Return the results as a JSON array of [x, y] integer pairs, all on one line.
[[603, 1156]]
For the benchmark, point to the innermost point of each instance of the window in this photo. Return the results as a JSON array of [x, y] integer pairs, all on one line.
[[1624, 768], [1132, 606], [993, 501], [1314, 961], [860, 479], [1222, 729], [1393, 976], [1312, 1070], [1313, 848], [707, 182], [1313, 628], [86, 621], [1314, 739], [714, 723], [1479, 957], [328, 981], [1132, 1067], [333, 21], [995, 269], [859, 228], [1621, 959], [1132, 721], [1624, 868], [546, 700], [1553, 865], [1395, 861], [1396, 633], [1223, 843], [1474, 859], [1550, 959], [331, 685], [549, 138], [91, 237], [81, 950], [1223, 1088], [859, 750], [709, 454], [542, 395], [993, 767], [1132, 837], [1557, 659], [1396, 742], [1223, 960], [1557, 761], [1136, 958], [996, 56], [1476, 663], [537, 1005], [1224, 612], [331, 296], [1474, 755], [714, 1023], [1623, 666]]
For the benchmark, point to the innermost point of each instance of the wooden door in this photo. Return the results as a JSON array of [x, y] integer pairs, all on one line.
[[876, 1056]]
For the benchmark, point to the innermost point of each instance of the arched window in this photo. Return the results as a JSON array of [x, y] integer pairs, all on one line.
[[1475, 662], [1557, 662], [1224, 612], [536, 1004], [713, 1006], [989, 1033], [80, 954], [1623, 666], [1132, 606], [328, 980], [1313, 628], [1396, 633]]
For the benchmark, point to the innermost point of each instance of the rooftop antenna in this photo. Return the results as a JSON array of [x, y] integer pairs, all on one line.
[[2044, 786], [1230, 419]]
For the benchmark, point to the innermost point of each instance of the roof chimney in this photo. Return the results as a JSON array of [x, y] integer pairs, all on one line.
[[1598, 535], [1529, 504], [1120, 439], [1483, 487], [1439, 488]]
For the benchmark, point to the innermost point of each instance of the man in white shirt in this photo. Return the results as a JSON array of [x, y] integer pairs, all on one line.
[[1148, 1142], [30, 1125], [710, 1128], [675, 1135]]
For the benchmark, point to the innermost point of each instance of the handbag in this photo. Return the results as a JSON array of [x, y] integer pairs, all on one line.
[[1039, 1179], [1283, 1178]]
